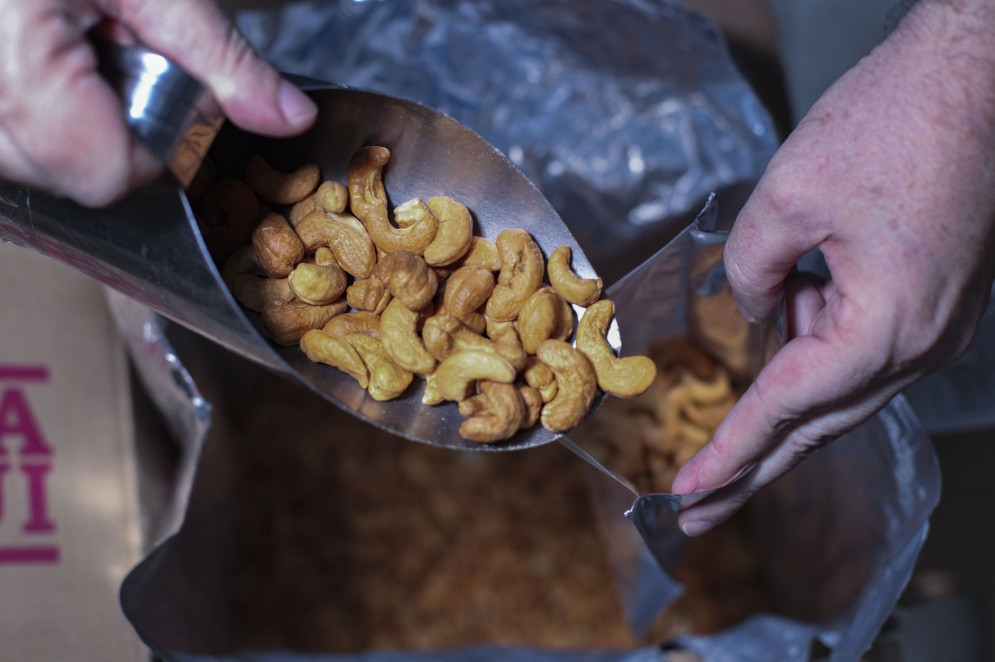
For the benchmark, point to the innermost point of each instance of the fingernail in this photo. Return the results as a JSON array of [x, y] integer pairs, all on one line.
[[297, 107], [695, 528]]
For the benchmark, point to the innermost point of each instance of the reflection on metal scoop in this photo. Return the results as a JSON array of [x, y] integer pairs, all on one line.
[[148, 245]]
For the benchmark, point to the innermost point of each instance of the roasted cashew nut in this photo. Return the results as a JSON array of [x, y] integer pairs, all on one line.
[[410, 279], [622, 377], [500, 415], [278, 248], [332, 197], [544, 315], [454, 376], [399, 334], [368, 201], [580, 291], [576, 382], [318, 283], [281, 188], [482, 253], [344, 235], [522, 270], [241, 273], [227, 214], [467, 290], [539, 376], [322, 347], [286, 322], [452, 239], [387, 379], [358, 321], [445, 335]]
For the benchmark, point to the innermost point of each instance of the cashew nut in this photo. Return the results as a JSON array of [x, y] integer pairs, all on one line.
[[444, 335], [299, 210], [387, 379], [581, 291], [227, 214], [467, 290], [344, 235], [455, 375], [533, 402], [320, 282], [278, 248], [241, 273], [576, 383], [322, 347], [522, 270], [623, 377], [410, 279], [399, 334], [544, 315], [539, 376], [281, 188], [286, 322], [500, 415], [332, 197], [452, 240], [368, 201], [482, 253], [359, 321]]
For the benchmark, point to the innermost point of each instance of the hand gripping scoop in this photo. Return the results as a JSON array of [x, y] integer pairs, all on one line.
[[148, 245]]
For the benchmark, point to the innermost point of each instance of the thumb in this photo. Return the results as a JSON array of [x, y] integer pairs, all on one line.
[[199, 37]]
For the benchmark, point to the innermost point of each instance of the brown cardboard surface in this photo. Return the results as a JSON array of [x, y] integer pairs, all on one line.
[[69, 523]]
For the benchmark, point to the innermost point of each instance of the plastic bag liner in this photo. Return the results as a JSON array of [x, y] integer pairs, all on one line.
[[840, 533]]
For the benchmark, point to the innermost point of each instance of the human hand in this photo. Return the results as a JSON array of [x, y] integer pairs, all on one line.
[[61, 127], [892, 176]]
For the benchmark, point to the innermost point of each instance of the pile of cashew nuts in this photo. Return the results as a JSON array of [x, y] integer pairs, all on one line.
[[388, 295]]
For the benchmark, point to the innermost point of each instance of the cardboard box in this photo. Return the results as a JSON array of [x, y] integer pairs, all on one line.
[[69, 518]]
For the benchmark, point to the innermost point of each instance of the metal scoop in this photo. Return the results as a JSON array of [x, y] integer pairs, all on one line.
[[148, 246]]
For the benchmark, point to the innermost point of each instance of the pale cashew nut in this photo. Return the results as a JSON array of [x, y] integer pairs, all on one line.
[[399, 334], [278, 248], [387, 379], [318, 283], [467, 290], [286, 322], [622, 377], [357, 321], [344, 235], [522, 270], [322, 347], [577, 385], [368, 201], [241, 273], [281, 188], [454, 376], [580, 291], [710, 391], [501, 414], [544, 315], [452, 240]]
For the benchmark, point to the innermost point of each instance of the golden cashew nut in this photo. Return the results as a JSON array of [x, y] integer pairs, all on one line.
[[410, 212], [576, 382], [241, 273], [467, 290], [533, 402], [318, 283], [455, 375], [445, 335], [522, 270], [358, 321], [281, 188], [399, 334], [452, 239], [482, 253], [544, 315], [622, 377], [368, 294], [368, 201], [299, 210], [539, 376], [500, 414], [344, 235], [332, 197], [581, 291], [227, 214], [387, 379], [322, 347], [286, 322], [277, 246], [410, 279]]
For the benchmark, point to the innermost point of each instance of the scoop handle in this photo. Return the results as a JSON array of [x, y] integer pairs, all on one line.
[[166, 109]]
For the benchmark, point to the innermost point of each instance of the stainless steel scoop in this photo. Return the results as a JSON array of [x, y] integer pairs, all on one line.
[[148, 245]]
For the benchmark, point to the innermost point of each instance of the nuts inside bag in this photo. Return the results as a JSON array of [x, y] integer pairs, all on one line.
[[391, 296]]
